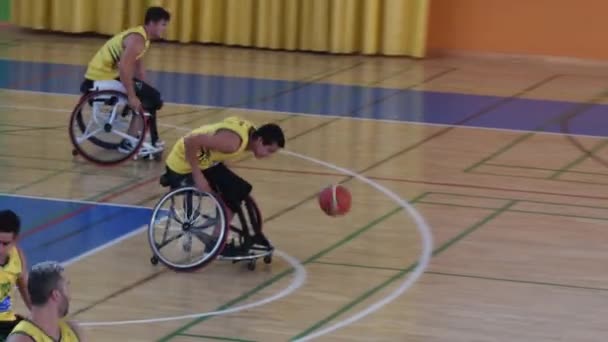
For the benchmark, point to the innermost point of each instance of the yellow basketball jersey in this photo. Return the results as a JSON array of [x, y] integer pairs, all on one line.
[[104, 65], [9, 274], [30, 329], [177, 162]]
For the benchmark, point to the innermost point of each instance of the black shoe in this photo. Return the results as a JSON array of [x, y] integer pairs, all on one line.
[[230, 250], [125, 146]]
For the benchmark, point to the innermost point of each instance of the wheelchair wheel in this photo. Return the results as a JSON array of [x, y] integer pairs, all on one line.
[[188, 229], [99, 125]]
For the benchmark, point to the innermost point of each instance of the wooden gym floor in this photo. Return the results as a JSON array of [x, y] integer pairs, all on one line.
[[502, 158]]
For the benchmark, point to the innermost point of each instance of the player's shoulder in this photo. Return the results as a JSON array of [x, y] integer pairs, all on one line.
[[19, 337], [133, 37], [76, 329]]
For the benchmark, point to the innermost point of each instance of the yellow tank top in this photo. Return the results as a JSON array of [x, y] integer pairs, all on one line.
[[177, 162], [104, 65], [30, 329], [9, 274]]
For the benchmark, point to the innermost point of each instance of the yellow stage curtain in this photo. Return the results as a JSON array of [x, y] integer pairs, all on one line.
[[387, 27]]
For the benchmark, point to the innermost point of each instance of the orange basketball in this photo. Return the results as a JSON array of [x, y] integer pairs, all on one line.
[[335, 200]]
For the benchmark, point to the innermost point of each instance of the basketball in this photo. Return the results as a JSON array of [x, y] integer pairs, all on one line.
[[335, 200]]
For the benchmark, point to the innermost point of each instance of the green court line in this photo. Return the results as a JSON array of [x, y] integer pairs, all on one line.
[[382, 268], [578, 160], [509, 199], [401, 273], [579, 109], [216, 338], [281, 275], [558, 215], [530, 282], [458, 205], [500, 151], [510, 280], [419, 200], [520, 211], [531, 177], [546, 169], [474, 227], [40, 180]]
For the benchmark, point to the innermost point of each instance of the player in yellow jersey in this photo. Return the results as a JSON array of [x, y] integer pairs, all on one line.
[[48, 289], [118, 65], [13, 271], [199, 157]]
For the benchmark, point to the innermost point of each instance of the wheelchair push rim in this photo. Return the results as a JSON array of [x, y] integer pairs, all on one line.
[[99, 136], [195, 232]]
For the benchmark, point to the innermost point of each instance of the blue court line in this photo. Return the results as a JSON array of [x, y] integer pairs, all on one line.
[[323, 98], [99, 224]]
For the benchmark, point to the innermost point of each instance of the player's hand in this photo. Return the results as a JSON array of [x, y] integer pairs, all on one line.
[[135, 104]]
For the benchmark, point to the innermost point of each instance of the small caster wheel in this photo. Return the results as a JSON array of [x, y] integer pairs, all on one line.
[[135, 157], [251, 265], [268, 259], [154, 260], [74, 153]]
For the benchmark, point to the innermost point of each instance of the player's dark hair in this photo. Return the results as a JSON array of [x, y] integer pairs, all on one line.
[[270, 134], [9, 222], [156, 14], [43, 279]]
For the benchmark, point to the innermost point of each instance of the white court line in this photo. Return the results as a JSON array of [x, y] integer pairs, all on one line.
[[423, 261], [298, 280], [104, 246], [392, 121], [421, 225]]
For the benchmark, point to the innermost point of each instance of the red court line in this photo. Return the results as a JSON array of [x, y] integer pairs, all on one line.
[[401, 180], [84, 208]]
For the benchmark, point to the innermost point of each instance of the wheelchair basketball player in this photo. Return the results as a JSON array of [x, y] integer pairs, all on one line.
[[198, 159], [118, 65], [13, 272]]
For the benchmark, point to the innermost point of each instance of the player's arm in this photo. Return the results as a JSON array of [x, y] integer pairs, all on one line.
[[222, 141], [134, 45], [22, 282], [140, 71]]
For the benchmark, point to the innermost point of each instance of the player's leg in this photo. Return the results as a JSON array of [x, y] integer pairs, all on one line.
[[232, 189], [86, 86], [152, 101]]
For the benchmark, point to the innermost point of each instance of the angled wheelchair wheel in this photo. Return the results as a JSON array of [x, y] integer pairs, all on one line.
[[188, 229], [99, 128]]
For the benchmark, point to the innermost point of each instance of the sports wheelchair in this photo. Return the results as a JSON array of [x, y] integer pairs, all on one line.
[[99, 124], [195, 224]]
